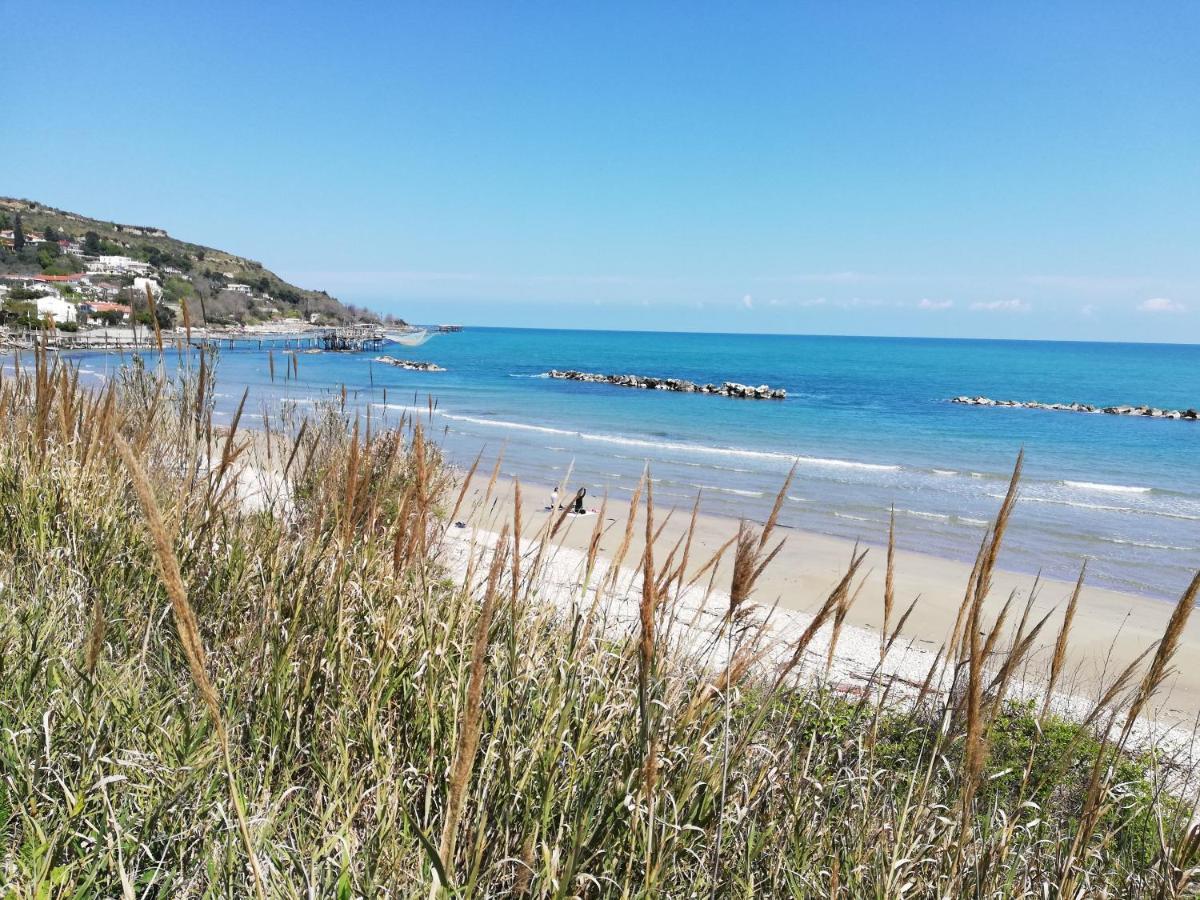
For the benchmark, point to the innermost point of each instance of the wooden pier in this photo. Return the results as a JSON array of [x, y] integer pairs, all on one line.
[[353, 339], [350, 339]]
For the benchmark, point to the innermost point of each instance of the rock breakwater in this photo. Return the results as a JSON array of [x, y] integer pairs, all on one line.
[[679, 385], [410, 364], [1153, 412]]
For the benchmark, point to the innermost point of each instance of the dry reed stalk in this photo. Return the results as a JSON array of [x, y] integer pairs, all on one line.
[[202, 386], [594, 542], [295, 448], [421, 493], [154, 318], [663, 524], [839, 617], [516, 549], [773, 518], [832, 601], [1058, 660], [744, 564], [997, 630], [548, 531], [228, 453], [681, 572], [350, 488], [566, 511], [469, 723], [889, 583], [187, 322], [954, 644], [463, 491], [895, 633], [927, 684], [646, 646], [189, 633], [975, 750], [487, 495], [1019, 652], [593, 552], [1116, 688], [614, 567], [1160, 666]]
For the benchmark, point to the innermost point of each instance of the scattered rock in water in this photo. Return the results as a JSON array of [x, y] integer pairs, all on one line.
[[678, 385], [411, 364], [1153, 412]]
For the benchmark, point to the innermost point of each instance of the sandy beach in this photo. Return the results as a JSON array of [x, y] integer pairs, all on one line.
[[1110, 628]]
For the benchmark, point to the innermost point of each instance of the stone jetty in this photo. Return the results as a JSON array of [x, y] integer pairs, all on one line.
[[411, 364], [679, 385], [1152, 412]]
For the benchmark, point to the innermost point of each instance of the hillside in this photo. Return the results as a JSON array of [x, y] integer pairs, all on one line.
[[232, 289]]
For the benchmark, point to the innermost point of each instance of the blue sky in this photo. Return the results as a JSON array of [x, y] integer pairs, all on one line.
[[1008, 170]]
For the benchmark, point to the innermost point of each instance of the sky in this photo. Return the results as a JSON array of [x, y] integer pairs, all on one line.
[[1012, 170]]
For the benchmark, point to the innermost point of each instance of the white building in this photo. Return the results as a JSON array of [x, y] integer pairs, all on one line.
[[56, 308], [140, 285], [238, 288], [118, 265]]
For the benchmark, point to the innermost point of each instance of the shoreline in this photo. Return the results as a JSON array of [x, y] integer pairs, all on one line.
[[1110, 629]]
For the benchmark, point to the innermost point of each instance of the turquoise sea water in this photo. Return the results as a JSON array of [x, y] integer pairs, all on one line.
[[867, 419]]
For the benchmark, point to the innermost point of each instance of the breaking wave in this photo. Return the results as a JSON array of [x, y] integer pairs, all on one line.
[[1112, 488]]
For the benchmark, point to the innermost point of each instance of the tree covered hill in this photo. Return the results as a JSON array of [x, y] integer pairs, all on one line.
[[49, 241]]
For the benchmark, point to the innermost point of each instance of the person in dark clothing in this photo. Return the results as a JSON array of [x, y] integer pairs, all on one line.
[[577, 508]]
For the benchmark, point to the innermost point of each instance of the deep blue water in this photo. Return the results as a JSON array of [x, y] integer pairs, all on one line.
[[867, 419]]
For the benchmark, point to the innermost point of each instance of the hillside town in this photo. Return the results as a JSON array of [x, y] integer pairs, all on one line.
[[61, 279]]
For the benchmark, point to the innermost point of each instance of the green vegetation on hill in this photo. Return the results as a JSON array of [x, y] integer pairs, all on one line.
[[203, 697], [39, 228]]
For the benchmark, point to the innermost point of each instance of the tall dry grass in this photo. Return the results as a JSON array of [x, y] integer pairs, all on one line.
[[372, 724]]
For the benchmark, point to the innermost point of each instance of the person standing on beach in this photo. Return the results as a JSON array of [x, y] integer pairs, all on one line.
[[553, 499]]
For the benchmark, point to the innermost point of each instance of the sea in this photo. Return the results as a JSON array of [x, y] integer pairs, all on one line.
[[867, 423]]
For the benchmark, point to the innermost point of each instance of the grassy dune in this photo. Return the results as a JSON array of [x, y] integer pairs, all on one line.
[[201, 696]]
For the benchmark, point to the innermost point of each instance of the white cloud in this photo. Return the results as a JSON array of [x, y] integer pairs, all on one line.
[[748, 301], [926, 303], [1014, 305], [1160, 305], [1087, 310]]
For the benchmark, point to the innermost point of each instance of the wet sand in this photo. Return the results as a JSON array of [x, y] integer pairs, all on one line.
[[1110, 628]]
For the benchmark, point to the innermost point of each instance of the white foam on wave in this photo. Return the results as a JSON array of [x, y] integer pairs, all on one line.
[[1112, 488], [1075, 503], [838, 515], [981, 523], [924, 515], [727, 490], [944, 472], [539, 375], [1147, 544], [816, 461], [1184, 516]]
